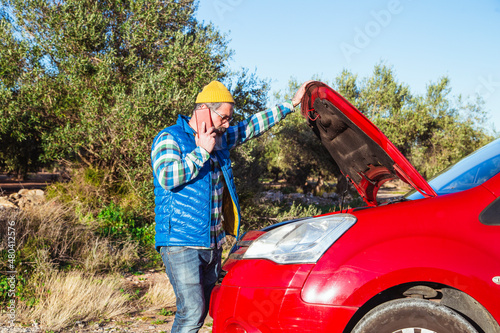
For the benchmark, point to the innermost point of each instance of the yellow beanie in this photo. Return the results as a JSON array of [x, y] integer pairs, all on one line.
[[214, 92]]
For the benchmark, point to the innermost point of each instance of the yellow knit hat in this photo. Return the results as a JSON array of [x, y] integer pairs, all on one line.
[[214, 92]]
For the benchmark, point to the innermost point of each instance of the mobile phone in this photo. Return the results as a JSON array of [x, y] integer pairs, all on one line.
[[203, 115]]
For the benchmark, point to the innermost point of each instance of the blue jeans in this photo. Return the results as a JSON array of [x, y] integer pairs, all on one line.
[[193, 274]]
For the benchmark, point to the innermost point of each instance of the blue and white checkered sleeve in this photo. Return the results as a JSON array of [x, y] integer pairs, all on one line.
[[170, 167], [257, 124]]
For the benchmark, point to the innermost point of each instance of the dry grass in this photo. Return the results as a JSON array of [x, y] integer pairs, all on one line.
[[50, 226], [58, 234], [69, 297], [102, 255], [65, 298], [159, 295]]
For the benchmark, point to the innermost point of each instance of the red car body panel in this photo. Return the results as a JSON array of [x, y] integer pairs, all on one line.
[[263, 296], [274, 310], [423, 250], [265, 273], [437, 241]]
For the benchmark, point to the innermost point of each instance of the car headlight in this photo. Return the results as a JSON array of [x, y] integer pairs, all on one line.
[[300, 242]]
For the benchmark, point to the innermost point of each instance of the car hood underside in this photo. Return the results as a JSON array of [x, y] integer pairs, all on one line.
[[363, 153]]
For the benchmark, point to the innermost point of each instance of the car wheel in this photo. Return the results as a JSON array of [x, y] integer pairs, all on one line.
[[413, 316]]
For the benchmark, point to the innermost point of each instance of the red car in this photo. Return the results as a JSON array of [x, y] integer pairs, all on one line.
[[428, 263]]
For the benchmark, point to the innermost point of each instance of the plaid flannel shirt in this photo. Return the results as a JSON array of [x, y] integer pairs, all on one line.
[[172, 169]]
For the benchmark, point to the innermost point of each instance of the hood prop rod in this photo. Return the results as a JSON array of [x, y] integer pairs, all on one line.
[[348, 179], [342, 201], [314, 113]]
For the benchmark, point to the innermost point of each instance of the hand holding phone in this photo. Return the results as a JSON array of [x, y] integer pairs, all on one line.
[[203, 115], [205, 134]]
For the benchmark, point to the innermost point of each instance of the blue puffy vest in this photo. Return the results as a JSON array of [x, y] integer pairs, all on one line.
[[183, 214]]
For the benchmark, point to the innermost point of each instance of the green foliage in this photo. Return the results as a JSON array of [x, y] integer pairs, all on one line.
[[433, 131], [117, 216], [381, 96], [250, 95], [293, 152], [22, 290], [93, 82], [93, 177], [257, 216], [116, 223], [85, 192], [4, 288], [297, 210], [96, 80], [165, 312], [20, 147]]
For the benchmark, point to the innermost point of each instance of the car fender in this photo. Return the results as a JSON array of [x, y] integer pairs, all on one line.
[[393, 262]]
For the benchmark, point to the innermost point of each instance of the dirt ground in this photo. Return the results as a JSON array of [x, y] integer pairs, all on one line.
[[140, 323], [150, 321], [135, 322], [130, 324]]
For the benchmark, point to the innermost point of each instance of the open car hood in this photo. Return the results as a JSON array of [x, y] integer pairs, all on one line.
[[363, 153]]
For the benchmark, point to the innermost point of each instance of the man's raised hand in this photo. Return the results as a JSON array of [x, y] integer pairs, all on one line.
[[298, 95]]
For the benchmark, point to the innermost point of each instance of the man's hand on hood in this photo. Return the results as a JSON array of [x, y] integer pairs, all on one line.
[[298, 95]]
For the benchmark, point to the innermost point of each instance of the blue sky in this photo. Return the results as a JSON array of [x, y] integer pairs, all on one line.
[[421, 39]]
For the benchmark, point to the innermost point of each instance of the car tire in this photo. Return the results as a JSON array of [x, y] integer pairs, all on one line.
[[413, 316]]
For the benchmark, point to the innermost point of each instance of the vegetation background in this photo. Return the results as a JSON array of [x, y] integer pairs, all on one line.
[[85, 85]]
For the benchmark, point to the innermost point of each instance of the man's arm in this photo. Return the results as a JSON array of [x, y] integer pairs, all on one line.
[[263, 121], [170, 168], [257, 124]]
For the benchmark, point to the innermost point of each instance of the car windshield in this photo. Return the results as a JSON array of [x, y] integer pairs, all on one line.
[[469, 172]]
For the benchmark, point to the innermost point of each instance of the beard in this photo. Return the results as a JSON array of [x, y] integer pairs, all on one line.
[[220, 130]]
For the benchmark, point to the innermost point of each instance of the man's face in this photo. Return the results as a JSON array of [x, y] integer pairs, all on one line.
[[222, 117]]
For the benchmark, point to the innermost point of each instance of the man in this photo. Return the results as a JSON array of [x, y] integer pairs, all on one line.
[[195, 196]]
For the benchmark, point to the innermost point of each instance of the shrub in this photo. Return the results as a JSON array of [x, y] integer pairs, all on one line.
[[117, 223], [258, 215]]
